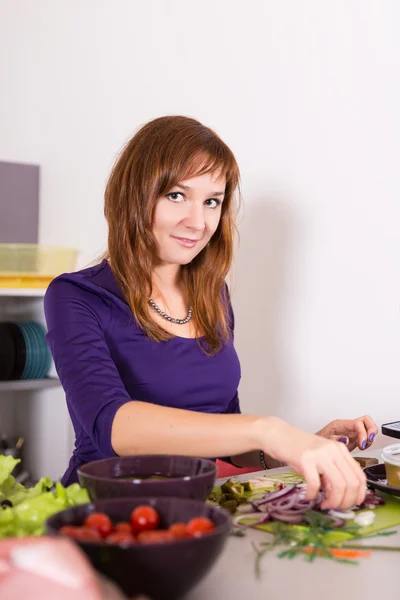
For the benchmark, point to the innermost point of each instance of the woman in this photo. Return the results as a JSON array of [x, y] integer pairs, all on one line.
[[143, 341]]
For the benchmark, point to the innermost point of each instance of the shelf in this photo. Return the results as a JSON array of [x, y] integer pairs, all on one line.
[[29, 384], [23, 292]]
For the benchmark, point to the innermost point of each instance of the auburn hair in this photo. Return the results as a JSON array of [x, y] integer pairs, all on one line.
[[162, 153]]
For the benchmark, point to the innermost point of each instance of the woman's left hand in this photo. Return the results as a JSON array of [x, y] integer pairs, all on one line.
[[353, 432]]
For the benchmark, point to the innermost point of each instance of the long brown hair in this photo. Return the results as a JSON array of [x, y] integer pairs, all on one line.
[[160, 155]]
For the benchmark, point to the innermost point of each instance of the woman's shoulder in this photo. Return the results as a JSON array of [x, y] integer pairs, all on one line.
[[94, 287], [97, 279]]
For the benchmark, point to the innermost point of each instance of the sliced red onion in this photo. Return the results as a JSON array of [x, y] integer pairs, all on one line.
[[261, 507], [275, 495], [336, 521], [289, 504], [298, 509], [284, 503], [346, 514], [288, 517]]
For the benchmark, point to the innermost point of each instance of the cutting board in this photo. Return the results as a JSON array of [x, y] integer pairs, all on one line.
[[386, 515]]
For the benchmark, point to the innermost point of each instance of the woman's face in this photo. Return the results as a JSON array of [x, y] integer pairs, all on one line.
[[187, 216]]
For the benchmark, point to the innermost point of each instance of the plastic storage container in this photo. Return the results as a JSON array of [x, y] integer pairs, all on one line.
[[33, 265], [391, 458]]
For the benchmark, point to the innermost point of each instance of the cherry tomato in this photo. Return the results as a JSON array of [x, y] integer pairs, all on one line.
[[99, 522], [144, 518], [81, 533], [179, 531], [153, 536], [123, 527], [70, 530], [88, 534], [120, 537], [200, 526]]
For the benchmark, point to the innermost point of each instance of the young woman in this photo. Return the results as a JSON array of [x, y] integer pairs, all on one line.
[[143, 341]]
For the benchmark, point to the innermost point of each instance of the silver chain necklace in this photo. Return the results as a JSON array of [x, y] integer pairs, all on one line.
[[167, 317]]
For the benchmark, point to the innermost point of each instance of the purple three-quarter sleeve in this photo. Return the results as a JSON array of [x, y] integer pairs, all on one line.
[[90, 378]]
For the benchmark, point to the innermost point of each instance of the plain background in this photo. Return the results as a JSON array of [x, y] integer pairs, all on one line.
[[307, 95]]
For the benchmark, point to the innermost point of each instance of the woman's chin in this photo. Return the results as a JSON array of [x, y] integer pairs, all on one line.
[[180, 259]]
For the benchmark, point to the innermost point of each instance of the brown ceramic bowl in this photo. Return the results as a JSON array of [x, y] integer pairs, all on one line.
[[164, 571], [186, 477]]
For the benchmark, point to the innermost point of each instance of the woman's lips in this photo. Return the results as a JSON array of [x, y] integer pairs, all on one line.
[[185, 242]]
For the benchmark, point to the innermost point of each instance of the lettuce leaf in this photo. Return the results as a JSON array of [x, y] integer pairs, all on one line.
[[31, 507], [7, 464]]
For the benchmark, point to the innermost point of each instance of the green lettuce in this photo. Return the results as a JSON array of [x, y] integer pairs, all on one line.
[[31, 507]]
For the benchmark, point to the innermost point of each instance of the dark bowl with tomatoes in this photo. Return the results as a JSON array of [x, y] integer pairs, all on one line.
[[148, 475], [159, 547]]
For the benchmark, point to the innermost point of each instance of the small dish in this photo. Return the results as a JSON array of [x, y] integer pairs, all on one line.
[[391, 458], [376, 478]]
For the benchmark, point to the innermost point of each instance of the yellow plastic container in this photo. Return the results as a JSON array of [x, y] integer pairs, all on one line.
[[33, 265], [391, 458]]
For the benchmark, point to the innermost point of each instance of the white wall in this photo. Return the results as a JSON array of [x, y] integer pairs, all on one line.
[[307, 94]]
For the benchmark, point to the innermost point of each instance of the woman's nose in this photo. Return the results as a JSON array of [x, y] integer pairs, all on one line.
[[195, 217]]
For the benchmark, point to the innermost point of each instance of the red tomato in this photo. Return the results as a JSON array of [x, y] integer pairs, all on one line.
[[87, 534], [99, 522], [123, 527], [81, 533], [200, 526], [70, 530], [179, 531], [120, 537], [153, 536], [144, 518]]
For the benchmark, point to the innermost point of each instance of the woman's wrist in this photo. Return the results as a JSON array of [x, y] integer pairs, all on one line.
[[270, 431], [267, 433]]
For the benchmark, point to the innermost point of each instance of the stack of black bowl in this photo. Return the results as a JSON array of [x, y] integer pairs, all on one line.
[[24, 353]]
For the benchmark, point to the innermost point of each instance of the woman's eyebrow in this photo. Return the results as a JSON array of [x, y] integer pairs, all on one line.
[[187, 188]]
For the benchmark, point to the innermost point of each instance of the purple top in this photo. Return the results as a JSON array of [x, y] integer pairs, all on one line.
[[104, 359]]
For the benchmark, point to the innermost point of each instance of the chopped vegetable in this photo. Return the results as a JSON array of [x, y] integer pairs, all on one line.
[[230, 505], [289, 504], [365, 518], [25, 510], [248, 486], [337, 552]]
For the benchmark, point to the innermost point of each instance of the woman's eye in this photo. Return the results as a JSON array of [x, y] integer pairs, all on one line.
[[213, 202], [175, 196]]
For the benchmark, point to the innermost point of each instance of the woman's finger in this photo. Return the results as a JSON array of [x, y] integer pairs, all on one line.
[[334, 485], [358, 474], [312, 478], [357, 425], [355, 485], [340, 438], [371, 428]]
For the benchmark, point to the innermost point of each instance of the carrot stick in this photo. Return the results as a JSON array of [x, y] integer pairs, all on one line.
[[338, 552]]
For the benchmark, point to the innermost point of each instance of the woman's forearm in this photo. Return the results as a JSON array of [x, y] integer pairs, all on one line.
[[143, 428]]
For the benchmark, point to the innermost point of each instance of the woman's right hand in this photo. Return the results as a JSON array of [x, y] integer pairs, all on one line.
[[325, 464]]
